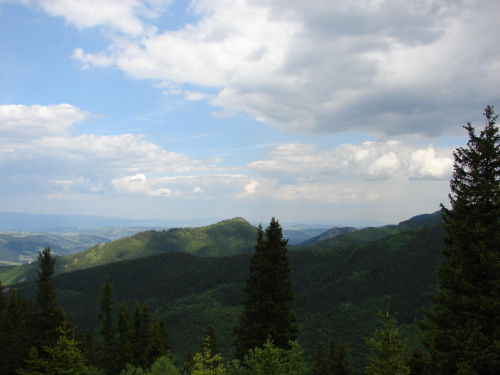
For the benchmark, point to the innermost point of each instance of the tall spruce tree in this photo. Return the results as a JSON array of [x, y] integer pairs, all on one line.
[[462, 329], [107, 329], [339, 358], [268, 305], [48, 316], [124, 347]]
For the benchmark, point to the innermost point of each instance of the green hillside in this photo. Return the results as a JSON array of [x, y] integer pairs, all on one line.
[[18, 248], [372, 234], [227, 237], [338, 291]]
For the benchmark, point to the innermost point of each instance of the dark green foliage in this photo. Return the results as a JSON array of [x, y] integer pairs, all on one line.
[[211, 342], [48, 316], [188, 363], [159, 343], [163, 366], [462, 330], [14, 332], [387, 348], [124, 347], [337, 291], [207, 362], [334, 363], [138, 342], [339, 358], [33, 364], [418, 362], [108, 354], [63, 358], [268, 305], [269, 359], [90, 346], [321, 362]]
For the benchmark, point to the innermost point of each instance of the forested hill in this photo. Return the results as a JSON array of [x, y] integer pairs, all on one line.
[[227, 237], [371, 233], [338, 291]]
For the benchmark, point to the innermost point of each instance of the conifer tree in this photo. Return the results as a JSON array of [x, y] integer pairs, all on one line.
[[321, 362], [268, 305], [339, 360], [210, 341], [462, 329], [335, 363], [15, 332], [164, 365], [208, 363], [188, 363], [159, 343], [138, 327], [387, 348], [106, 329], [124, 339], [33, 365], [48, 316], [65, 357], [272, 360]]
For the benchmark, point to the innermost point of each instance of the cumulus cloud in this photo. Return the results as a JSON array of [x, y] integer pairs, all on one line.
[[369, 160], [65, 164], [41, 143], [35, 121], [384, 67], [426, 164], [124, 16], [139, 185]]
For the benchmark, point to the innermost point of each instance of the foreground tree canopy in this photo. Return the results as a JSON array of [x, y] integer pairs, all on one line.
[[462, 330]]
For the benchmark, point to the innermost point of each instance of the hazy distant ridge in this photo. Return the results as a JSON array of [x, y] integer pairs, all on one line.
[[329, 234]]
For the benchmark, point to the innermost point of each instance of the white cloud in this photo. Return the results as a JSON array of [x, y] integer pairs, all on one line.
[[44, 154], [42, 144], [123, 16], [383, 67], [426, 164], [191, 95], [139, 185], [54, 158], [35, 121], [369, 160]]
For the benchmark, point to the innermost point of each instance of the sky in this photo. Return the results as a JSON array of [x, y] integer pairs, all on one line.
[[339, 112]]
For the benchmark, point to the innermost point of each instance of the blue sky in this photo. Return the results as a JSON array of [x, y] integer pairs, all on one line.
[[323, 111]]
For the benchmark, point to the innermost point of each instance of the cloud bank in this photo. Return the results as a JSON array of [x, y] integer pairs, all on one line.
[[42, 148]]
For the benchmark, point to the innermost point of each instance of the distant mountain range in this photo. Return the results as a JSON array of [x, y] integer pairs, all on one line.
[[16, 221], [329, 234], [22, 236], [228, 237]]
